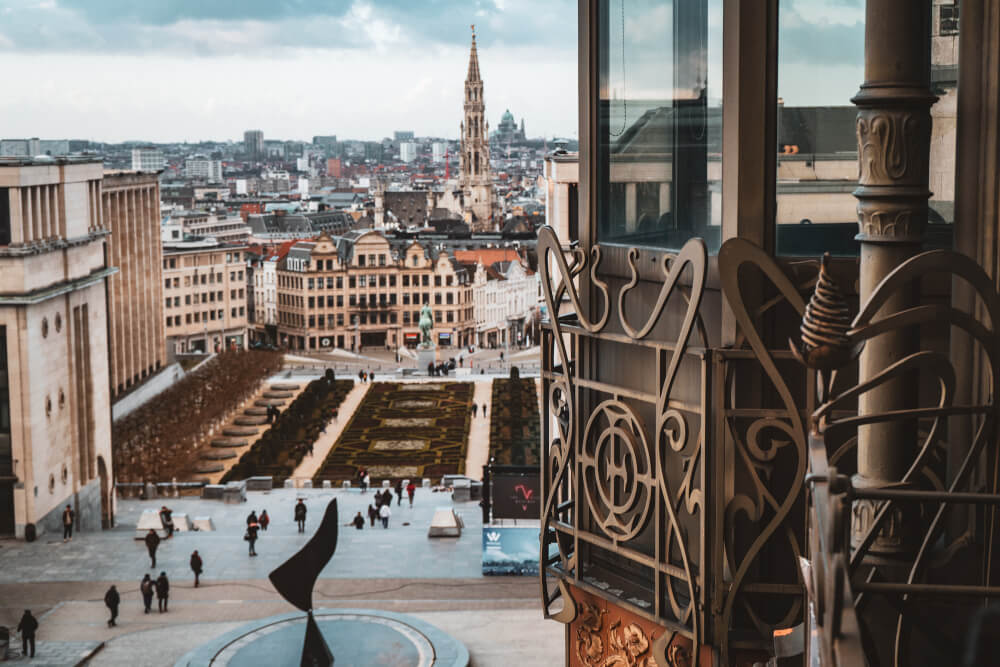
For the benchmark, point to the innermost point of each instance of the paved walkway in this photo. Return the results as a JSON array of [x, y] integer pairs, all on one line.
[[53, 653], [477, 453], [312, 463], [402, 550]]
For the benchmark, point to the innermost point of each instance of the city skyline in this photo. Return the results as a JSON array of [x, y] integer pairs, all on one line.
[[182, 71]]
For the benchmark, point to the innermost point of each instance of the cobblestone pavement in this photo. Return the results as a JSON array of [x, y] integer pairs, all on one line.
[[54, 654], [401, 551]]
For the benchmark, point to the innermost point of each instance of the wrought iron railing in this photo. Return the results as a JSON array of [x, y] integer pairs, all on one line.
[[675, 471]]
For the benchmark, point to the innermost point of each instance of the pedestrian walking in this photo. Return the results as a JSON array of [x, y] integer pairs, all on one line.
[[475, 410], [300, 515], [264, 520], [28, 627], [371, 376], [484, 410], [361, 375], [152, 542], [251, 537], [162, 592], [358, 521], [196, 566], [399, 492], [365, 482], [111, 601], [411, 488], [372, 514], [147, 588], [167, 519], [252, 517], [67, 517], [384, 514]]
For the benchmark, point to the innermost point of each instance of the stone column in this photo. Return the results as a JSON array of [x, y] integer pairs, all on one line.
[[893, 132]]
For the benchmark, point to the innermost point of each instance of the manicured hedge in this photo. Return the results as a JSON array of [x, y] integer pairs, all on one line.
[[393, 414], [156, 442], [515, 430], [281, 448]]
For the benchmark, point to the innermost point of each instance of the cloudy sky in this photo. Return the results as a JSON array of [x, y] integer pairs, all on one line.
[[171, 70]]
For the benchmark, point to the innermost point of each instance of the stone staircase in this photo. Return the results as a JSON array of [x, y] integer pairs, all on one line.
[[243, 430]]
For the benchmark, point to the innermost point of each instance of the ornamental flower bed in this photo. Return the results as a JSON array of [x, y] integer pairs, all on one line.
[[280, 449], [404, 431], [156, 441], [515, 431]]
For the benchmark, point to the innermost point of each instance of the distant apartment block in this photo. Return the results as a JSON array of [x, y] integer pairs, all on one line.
[[438, 150], [408, 151], [253, 143], [147, 159], [402, 135], [205, 300], [20, 147], [55, 416], [203, 169], [222, 227], [130, 202]]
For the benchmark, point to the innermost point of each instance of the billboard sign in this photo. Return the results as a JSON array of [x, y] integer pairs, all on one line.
[[510, 550], [515, 496]]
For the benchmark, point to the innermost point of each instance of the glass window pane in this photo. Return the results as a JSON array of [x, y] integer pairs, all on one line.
[[817, 167], [659, 155]]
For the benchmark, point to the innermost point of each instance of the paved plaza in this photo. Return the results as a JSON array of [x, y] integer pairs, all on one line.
[[398, 569]]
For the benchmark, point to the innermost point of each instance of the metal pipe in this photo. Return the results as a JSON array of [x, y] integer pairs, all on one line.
[[927, 496], [928, 589]]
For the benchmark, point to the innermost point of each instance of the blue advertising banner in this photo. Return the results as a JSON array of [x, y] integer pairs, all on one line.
[[510, 550]]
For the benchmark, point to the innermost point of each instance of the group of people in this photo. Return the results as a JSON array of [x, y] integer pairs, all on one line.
[[148, 587], [366, 376], [381, 508], [256, 524], [475, 409]]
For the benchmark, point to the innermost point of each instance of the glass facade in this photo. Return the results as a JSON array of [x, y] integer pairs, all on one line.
[[659, 111]]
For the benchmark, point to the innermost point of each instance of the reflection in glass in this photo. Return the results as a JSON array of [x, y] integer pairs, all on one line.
[[660, 121]]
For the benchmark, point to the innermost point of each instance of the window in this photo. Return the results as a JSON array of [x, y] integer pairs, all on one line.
[[361, 260], [363, 280], [406, 280], [450, 316], [381, 260], [392, 280], [166, 283], [340, 282], [329, 300], [312, 283], [177, 302], [350, 282], [169, 300], [312, 302], [329, 282], [437, 298], [415, 260], [187, 299], [371, 260], [948, 19], [406, 317], [352, 300], [437, 281], [450, 298], [340, 301], [340, 319], [425, 280], [437, 316], [658, 153], [382, 281], [187, 318]]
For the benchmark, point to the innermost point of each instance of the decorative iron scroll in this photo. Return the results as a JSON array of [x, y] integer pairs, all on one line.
[[606, 475], [876, 514]]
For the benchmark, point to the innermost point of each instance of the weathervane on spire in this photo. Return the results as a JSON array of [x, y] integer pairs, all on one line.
[[473, 26]]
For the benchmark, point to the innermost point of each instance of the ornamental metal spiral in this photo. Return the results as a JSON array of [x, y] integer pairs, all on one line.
[[825, 342]]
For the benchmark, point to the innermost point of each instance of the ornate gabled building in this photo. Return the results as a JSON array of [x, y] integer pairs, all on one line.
[[476, 180]]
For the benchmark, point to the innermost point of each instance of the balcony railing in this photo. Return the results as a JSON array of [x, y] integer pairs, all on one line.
[[674, 471]]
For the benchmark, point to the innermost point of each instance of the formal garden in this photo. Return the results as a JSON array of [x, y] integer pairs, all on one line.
[[281, 448], [515, 430], [404, 431], [158, 440]]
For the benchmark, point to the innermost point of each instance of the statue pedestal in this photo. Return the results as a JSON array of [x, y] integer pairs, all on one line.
[[426, 355]]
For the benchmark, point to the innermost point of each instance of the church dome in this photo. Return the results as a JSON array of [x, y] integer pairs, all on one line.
[[507, 118]]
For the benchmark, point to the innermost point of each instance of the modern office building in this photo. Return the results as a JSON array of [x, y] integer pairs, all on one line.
[[407, 151], [55, 404], [147, 159], [203, 169], [253, 144], [130, 204]]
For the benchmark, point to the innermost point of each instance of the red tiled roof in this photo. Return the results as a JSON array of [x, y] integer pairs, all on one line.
[[488, 256]]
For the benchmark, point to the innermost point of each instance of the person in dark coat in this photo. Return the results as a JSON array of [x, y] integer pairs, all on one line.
[[252, 517], [166, 518], [152, 542], [111, 601], [372, 514], [251, 537], [264, 520], [67, 517], [358, 521], [196, 566], [300, 515], [162, 592], [475, 410], [28, 627], [399, 492], [147, 588], [484, 409]]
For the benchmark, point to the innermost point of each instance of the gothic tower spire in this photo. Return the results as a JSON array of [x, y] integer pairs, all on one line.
[[476, 181]]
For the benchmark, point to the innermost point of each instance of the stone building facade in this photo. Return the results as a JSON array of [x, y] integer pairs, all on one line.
[[55, 415], [205, 295], [359, 290], [130, 204]]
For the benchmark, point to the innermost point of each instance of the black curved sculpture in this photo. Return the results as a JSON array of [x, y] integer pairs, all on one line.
[[296, 578]]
